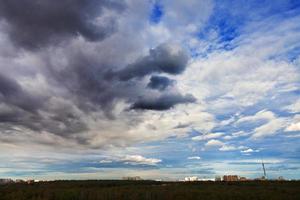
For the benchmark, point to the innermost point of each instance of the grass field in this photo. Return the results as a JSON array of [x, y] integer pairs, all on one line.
[[140, 190]]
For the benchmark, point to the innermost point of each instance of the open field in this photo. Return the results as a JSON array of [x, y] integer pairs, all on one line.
[[139, 190]]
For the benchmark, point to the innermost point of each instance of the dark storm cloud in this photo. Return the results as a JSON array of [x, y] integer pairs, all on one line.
[[164, 102], [81, 86], [96, 86], [11, 92], [37, 23], [33, 24], [18, 107], [160, 82], [78, 81], [165, 58], [84, 79]]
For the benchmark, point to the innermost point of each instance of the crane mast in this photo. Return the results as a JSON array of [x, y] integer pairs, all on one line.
[[263, 165]]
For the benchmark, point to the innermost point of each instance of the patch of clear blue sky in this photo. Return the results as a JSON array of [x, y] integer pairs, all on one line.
[[157, 12]]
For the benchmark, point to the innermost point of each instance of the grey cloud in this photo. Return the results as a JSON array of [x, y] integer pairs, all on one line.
[[64, 123], [11, 92], [160, 82], [82, 81], [95, 86], [163, 102], [33, 24], [166, 58], [180, 125], [18, 107]]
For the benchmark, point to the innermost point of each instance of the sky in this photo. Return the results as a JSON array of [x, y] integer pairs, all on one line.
[[161, 89]]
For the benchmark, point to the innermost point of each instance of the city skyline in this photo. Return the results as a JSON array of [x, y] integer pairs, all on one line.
[[157, 89]]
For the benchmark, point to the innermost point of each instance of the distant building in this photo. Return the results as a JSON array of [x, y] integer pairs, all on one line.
[[241, 178], [230, 178], [20, 181], [30, 181], [132, 178], [192, 178], [5, 181]]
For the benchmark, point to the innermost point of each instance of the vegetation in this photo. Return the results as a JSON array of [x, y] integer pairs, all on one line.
[[139, 190]]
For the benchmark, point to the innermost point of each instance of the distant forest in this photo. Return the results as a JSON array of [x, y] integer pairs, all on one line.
[[148, 190]]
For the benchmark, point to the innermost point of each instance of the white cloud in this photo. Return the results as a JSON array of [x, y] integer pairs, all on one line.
[[269, 128], [228, 121], [194, 158], [236, 135], [294, 124], [214, 143], [207, 136], [240, 133], [227, 148], [138, 159], [293, 127], [249, 151], [222, 146], [293, 136], [228, 137], [230, 80], [271, 123], [263, 114], [293, 108], [105, 161]]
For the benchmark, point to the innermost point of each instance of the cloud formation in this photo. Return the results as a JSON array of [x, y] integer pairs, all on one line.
[[166, 58], [194, 158], [72, 87], [164, 102], [45, 23], [88, 85], [214, 143], [138, 159], [207, 136], [131, 160], [12, 93], [293, 127], [160, 82]]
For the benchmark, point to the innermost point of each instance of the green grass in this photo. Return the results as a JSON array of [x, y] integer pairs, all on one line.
[[140, 190]]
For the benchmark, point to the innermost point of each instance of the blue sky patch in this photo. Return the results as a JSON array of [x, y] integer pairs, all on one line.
[[157, 13]]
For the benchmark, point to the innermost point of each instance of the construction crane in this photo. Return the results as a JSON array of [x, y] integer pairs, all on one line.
[[263, 165]]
